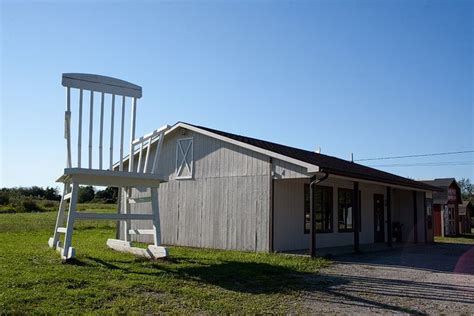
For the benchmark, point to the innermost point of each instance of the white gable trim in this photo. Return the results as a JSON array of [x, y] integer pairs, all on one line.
[[310, 167]]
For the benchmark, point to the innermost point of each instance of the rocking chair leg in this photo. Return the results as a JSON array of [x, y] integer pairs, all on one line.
[[126, 210], [68, 251], [53, 242], [156, 216]]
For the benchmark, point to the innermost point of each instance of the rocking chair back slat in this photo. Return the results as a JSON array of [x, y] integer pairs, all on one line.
[[67, 122], [158, 150], [140, 153], [91, 124], [79, 131], [132, 134], [112, 113], [148, 146], [101, 137], [122, 127]]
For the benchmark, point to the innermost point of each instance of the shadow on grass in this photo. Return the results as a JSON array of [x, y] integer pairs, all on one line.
[[264, 278], [237, 276]]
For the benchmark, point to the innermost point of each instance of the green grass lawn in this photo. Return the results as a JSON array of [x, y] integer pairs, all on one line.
[[33, 278]]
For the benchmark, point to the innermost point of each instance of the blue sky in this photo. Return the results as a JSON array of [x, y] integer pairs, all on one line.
[[377, 78]]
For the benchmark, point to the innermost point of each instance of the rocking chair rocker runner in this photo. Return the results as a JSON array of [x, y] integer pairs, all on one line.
[[143, 175]]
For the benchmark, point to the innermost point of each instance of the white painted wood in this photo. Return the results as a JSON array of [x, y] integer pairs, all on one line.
[[152, 252], [153, 135], [127, 224], [141, 231], [110, 178], [378, 183], [139, 200], [140, 157], [132, 133], [66, 255], [67, 252], [101, 84], [117, 217], [156, 217], [67, 130], [79, 131], [147, 157], [138, 177], [122, 127], [157, 152], [91, 124], [111, 152], [60, 216], [112, 243], [101, 131], [184, 158]]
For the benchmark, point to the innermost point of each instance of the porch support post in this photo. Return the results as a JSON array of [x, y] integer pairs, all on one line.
[[312, 217], [425, 217], [271, 236], [389, 217], [355, 207], [415, 219]]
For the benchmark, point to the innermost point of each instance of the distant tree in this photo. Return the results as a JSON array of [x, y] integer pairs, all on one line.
[[51, 194], [4, 197], [466, 188], [86, 194], [108, 195]]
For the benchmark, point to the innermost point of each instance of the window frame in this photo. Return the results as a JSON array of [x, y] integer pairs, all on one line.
[[349, 230], [329, 189], [186, 152]]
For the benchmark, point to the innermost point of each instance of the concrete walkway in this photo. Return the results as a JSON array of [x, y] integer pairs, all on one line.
[[425, 279]]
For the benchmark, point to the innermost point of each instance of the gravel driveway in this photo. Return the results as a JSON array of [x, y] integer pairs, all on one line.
[[427, 279]]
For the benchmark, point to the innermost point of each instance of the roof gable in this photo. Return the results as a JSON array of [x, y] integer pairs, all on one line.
[[313, 161]]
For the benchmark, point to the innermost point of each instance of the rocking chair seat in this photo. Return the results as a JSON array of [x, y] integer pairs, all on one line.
[[110, 178]]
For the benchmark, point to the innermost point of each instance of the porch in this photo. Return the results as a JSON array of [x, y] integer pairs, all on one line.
[[344, 222]]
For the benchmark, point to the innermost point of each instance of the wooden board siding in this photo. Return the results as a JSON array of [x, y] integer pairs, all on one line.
[[286, 170], [224, 206]]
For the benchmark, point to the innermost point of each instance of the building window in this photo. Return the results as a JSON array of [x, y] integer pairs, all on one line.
[[184, 158], [322, 197], [345, 210]]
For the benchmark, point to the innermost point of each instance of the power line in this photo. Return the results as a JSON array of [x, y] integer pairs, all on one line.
[[426, 164], [419, 155]]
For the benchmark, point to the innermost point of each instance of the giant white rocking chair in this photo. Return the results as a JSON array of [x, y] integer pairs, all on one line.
[[143, 175]]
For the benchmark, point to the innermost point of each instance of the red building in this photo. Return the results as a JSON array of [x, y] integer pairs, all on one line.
[[446, 220]]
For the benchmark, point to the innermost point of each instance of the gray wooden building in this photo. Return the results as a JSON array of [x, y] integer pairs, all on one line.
[[227, 191]]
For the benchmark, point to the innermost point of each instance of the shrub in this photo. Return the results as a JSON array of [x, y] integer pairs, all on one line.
[[86, 194], [4, 198], [26, 205], [50, 204]]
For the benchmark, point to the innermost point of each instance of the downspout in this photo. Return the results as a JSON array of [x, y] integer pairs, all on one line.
[[312, 243]]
